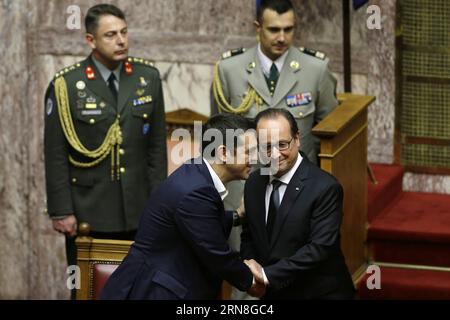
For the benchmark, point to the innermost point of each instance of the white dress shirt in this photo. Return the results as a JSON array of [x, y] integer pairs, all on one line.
[[266, 63], [218, 184], [286, 178]]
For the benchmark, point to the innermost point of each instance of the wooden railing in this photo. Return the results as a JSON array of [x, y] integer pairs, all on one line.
[[343, 153]]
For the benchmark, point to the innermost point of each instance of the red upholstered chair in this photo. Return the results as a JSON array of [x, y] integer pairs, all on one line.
[[97, 259]]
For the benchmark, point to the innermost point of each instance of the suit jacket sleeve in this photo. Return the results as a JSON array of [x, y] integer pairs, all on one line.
[[56, 152], [323, 241], [157, 146], [200, 220], [247, 245]]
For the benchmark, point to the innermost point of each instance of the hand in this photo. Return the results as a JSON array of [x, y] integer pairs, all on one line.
[[256, 269], [258, 289], [66, 225]]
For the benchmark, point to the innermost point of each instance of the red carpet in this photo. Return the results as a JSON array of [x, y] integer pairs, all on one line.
[[389, 186], [407, 228], [409, 284]]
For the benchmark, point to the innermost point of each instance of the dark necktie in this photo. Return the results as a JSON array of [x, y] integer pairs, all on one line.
[[112, 85], [273, 78], [274, 204]]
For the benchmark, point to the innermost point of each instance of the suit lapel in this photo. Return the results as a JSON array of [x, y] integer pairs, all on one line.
[[288, 77], [257, 81], [125, 89], [98, 85], [294, 189]]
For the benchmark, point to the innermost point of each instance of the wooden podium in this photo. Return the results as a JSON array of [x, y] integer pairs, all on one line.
[[343, 153]]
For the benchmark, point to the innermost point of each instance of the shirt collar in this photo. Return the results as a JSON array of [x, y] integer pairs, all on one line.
[[266, 63], [286, 178], [218, 184], [105, 72]]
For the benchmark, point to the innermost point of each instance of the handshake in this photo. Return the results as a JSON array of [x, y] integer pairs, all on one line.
[[258, 288]]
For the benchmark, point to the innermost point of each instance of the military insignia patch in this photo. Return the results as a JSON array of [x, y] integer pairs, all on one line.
[[49, 106], [298, 99], [142, 100], [145, 129], [81, 85], [91, 112], [143, 82]]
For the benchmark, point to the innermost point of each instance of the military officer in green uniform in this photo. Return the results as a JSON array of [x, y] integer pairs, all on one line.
[[274, 74], [105, 135]]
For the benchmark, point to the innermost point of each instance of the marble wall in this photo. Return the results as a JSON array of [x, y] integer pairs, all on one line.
[[185, 38]]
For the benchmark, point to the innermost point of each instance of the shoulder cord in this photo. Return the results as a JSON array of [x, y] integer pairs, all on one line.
[[251, 97], [111, 144]]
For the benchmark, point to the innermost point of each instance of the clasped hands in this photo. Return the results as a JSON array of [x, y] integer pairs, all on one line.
[[258, 289]]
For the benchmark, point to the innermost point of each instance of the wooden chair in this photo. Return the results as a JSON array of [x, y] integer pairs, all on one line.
[[97, 259]]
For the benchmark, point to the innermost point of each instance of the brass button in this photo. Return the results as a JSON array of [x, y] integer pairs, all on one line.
[[301, 114], [92, 121], [121, 152], [74, 180], [122, 170], [145, 116]]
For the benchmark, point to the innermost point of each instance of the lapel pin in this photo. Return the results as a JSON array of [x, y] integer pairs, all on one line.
[[90, 73], [128, 68], [81, 85], [295, 65], [251, 66]]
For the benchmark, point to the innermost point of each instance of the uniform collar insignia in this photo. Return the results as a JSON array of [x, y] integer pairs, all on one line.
[[251, 66]]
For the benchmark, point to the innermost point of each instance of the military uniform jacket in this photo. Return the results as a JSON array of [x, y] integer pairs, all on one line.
[[305, 87], [109, 197]]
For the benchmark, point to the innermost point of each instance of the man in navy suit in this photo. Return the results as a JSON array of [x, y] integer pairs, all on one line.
[[293, 211], [181, 249]]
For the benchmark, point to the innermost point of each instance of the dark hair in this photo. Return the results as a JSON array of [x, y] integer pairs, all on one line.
[[94, 13], [279, 6], [220, 124], [273, 113]]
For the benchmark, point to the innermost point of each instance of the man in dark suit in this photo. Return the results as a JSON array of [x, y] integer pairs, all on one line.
[[181, 249], [294, 212]]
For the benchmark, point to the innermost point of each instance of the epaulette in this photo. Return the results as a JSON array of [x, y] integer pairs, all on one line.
[[314, 53], [231, 53], [141, 61], [67, 70]]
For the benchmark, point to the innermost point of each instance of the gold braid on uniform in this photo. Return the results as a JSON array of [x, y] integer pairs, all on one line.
[[110, 145], [251, 97]]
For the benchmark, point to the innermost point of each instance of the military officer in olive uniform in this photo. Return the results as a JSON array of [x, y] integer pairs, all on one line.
[[274, 74], [105, 135]]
